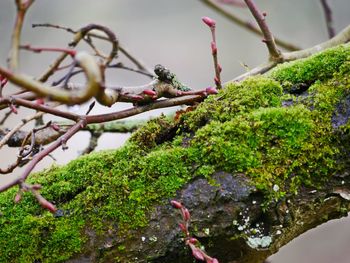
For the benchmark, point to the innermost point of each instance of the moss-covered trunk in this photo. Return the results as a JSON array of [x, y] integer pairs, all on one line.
[[258, 164]]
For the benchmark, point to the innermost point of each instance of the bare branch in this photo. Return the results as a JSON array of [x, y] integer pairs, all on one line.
[[22, 8], [329, 18], [63, 139], [91, 70], [123, 50], [340, 38], [18, 127], [275, 54], [247, 25]]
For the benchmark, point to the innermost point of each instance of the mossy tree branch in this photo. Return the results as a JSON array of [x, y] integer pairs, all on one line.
[[256, 165]]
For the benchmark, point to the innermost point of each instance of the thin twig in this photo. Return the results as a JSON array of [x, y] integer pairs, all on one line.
[[247, 25], [275, 54], [18, 127], [329, 18], [63, 139], [122, 49], [22, 8], [7, 114], [92, 73]]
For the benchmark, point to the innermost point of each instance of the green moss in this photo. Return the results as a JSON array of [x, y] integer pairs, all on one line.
[[320, 66], [243, 129], [235, 99], [156, 132]]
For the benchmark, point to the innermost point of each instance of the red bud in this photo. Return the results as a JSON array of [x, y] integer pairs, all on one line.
[[197, 253], [149, 92], [183, 228], [264, 14], [18, 197], [213, 260], [219, 68], [211, 90], [193, 240], [55, 126], [208, 21], [216, 80], [46, 204], [40, 101], [176, 204], [214, 49], [36, 186], [13, 108], [186, 214]]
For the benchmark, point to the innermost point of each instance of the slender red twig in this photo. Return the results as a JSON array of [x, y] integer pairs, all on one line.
[[69, 51], [269, 40], [197, 252], [214, 50]]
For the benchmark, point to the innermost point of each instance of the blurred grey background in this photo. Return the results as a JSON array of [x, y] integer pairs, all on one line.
[[171, 33]]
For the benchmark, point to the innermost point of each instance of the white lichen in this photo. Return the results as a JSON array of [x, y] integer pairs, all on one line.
[[276, 188], [259, 242]]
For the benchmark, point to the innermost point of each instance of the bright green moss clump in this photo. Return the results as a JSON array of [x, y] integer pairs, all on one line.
[[320, 66], [243, 129], [236, 99]]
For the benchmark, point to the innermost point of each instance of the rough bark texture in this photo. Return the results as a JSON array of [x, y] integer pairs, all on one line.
[[257, 165]]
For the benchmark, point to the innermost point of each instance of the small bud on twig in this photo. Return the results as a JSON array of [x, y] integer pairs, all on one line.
[[186, 214], [176, 204], [219, 68], [149, 92], [45, 204], [13, 108], [197, 253], [36, 186], [214, 49], [193, 240], [55, 126], [18, 197], [211, 90], [40, 101], [209, 22]]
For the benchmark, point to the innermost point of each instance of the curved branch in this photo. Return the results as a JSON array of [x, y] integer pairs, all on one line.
[[91, 70], [79, 35]]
